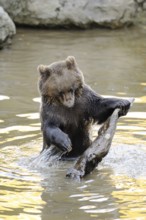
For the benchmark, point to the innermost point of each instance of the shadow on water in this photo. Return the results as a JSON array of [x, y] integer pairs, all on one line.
[[32, 187]]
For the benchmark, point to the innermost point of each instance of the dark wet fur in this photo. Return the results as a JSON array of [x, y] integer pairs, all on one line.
[[68, 128]]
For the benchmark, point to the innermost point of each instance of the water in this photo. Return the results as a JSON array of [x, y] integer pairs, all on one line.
[[113, 63]]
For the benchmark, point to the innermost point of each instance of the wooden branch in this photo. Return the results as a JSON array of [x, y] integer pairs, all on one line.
[[99, 149]]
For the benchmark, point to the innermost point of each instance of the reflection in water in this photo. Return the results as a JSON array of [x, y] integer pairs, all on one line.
[[18, 128], [125, 201], [20, 192], [29, 115], [114, 64], [3, 97], [130, 190], [20, 199], [29, 207]]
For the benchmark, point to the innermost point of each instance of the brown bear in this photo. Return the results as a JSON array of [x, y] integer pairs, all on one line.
[[69, 107]]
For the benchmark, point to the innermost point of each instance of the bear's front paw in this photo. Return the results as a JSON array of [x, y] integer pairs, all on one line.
[[65, 144], [124, 106]]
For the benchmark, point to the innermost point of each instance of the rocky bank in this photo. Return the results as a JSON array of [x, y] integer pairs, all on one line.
[[7, 28], [68, 13]]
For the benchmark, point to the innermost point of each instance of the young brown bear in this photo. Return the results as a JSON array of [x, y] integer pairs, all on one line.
[[69, 107]]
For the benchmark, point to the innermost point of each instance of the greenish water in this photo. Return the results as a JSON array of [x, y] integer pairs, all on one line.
[[114, 64]]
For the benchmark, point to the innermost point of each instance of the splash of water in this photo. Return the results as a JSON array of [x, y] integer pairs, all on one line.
[[127, 159], [47, 158]]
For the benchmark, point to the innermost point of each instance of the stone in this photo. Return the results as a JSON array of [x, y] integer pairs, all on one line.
[[144, 6], [140, 1], [7, 28], [77, 13]]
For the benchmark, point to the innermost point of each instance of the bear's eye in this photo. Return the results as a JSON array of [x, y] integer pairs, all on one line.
[[79, 88], [71, 90], [61, 93], [78, 91]]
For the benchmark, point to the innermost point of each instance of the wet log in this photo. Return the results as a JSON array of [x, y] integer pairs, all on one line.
[[98, 149]]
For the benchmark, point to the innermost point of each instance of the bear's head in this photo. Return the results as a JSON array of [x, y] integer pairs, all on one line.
[[61, 82]]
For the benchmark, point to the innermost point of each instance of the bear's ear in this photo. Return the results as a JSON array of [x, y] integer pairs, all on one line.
[[70, 62], [44, 70]]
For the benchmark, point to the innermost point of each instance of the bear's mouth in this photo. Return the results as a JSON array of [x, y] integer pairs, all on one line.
[[69, 103], [67, 98]]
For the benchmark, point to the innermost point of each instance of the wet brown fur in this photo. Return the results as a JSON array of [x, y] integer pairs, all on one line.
[[59, 76]]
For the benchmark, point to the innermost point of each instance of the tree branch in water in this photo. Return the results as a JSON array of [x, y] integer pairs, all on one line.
[[98, 149]]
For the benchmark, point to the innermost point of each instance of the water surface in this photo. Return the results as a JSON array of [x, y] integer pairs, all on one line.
[[114, 64]]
